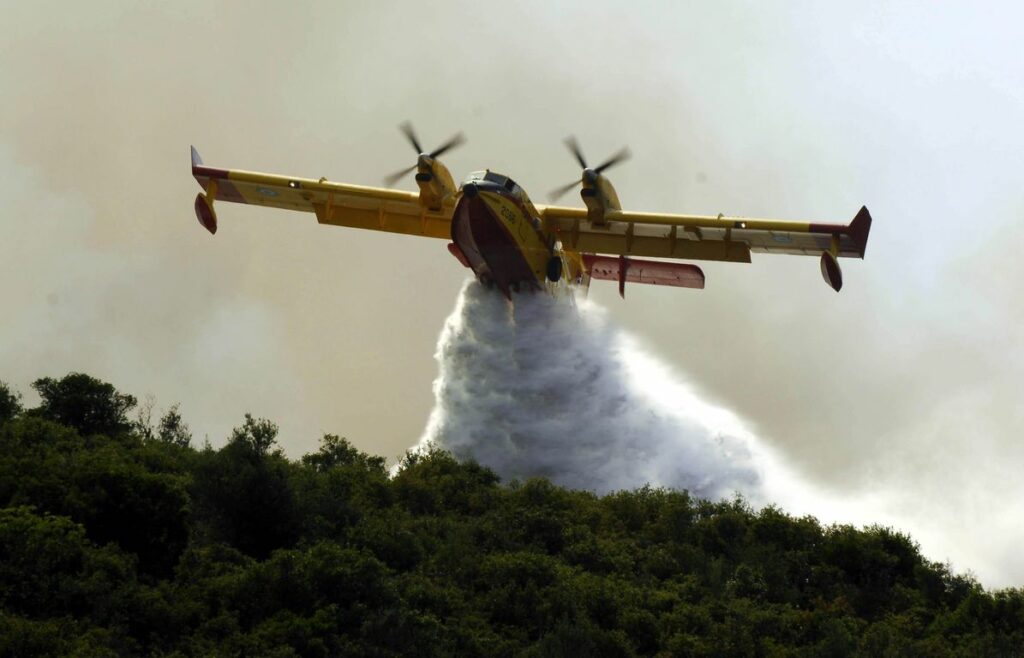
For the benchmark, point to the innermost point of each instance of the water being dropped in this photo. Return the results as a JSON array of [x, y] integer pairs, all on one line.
[[548, 386]]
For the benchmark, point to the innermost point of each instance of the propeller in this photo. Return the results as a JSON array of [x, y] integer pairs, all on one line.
[[589, 175], [425, 159]]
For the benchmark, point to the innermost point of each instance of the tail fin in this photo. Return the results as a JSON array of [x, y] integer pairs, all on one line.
[[859, 229]]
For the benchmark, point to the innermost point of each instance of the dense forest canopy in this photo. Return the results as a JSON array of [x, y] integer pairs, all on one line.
[[119, 537]]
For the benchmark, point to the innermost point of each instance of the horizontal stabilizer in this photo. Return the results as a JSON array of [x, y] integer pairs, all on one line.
[[653, 272]]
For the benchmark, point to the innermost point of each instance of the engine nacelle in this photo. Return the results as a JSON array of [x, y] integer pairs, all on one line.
[[435, 183]]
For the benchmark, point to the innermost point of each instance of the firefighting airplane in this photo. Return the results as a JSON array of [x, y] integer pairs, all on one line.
[[509, 242]]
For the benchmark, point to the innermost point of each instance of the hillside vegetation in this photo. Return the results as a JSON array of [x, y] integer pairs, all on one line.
[[119, 537]]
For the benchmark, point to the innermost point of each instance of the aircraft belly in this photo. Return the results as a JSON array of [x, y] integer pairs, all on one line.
[[493, 251]]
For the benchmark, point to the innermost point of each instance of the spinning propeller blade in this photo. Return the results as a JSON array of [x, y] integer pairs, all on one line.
[[574, 146], [450, 144], [410, 134], [621, 156], [555, 195], [399, 175], [588, 173]]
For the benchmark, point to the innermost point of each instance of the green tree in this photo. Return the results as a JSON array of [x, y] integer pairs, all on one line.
[[122, 491], [337, 451], [173, 430], [143, 423], [129, 546], [434, 482], [49, 568], [10, 403], [337, 486], [85, 403], [121, 500], [244, 493], [257, 434]]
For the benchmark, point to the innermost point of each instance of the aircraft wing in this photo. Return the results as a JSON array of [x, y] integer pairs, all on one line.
[[339, 204], [699, 237]]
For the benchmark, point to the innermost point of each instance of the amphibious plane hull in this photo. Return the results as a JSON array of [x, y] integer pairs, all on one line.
[[493, 232]]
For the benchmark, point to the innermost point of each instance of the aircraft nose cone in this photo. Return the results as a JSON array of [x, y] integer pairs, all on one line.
[[470, 189]]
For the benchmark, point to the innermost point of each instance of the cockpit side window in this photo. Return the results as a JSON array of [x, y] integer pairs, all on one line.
[[504, 181]]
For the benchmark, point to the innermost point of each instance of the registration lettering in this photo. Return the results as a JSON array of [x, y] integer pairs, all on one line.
[[508, 214]]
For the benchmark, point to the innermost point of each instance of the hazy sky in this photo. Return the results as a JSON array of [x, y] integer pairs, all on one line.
[[907, 382]]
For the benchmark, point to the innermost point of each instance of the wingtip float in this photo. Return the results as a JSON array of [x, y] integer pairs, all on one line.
[[509, 242]]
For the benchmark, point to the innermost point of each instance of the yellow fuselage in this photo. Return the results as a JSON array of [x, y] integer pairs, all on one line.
[[502, 237]]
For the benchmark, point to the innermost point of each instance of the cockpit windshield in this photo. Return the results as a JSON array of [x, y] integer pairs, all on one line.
[[509, 185], [494, 177]]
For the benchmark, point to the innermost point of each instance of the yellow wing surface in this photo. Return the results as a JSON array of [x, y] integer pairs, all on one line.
[[339, 204], [700, 237]]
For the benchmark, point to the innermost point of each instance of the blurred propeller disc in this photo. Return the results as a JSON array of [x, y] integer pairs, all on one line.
[[399, 175], [588, 173], [424, 157], [621, 156], [450, 144]]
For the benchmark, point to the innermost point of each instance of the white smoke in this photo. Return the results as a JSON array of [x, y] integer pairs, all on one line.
[[546, 386]]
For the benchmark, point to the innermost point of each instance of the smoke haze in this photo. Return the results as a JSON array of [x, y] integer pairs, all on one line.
[[898, 399]]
